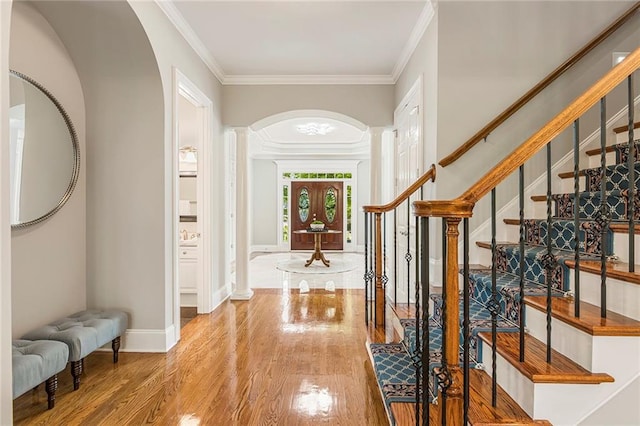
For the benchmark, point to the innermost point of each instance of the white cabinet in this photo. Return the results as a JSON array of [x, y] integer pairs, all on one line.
[[188, 276]]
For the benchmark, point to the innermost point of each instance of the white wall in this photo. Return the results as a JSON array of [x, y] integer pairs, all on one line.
[[6, 400], [489, 53], [48, 259], [125, 157], [371, 104], [126, 70], [173, 52], [265, 202], [477, 57]]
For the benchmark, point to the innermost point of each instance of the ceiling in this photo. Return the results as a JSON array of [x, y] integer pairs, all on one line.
[[302, 42]]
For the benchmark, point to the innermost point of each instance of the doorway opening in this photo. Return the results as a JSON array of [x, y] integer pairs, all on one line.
[[192, 273]]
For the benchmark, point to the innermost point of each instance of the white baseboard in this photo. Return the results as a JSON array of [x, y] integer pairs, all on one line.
[[265, 249], [220, 296], [148, 340]]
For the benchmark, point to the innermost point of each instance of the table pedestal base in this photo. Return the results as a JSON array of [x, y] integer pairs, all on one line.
[[317, 252]]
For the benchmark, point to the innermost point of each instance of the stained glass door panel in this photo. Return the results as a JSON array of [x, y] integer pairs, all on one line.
[[321, 201]]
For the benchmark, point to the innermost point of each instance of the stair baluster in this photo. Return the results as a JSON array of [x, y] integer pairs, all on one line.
[[424, 283], [494, 305], [632, 175], [407, 256], [522, 264], [419, 344], [576, 214], [442, 371], [549, 261], [367, 283], [395, 257], [604, 215], [385, 278], [466, 359]]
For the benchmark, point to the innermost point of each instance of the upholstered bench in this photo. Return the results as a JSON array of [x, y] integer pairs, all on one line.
[[84, 332], [37, 362]]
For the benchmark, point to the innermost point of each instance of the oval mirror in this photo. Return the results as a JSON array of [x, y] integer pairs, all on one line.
[[44, 152]]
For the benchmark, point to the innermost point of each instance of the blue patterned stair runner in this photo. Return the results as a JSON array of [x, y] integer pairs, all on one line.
[[395, 363]]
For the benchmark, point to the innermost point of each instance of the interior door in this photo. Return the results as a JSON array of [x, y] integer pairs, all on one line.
[[316, 201], [408, 169]]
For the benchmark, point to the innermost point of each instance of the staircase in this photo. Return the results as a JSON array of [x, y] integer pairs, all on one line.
[[553, 337], [593, 358]]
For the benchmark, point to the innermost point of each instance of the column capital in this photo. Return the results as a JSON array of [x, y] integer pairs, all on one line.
[[240, 131], [376, 131]]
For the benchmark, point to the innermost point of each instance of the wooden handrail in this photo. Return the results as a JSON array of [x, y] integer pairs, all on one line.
[[430, 174], [532, 145], [524, 99]]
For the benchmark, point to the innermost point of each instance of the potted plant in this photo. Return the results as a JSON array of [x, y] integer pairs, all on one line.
[[317, 225]]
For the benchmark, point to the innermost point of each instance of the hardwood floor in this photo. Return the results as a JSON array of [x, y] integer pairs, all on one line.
[[282, 358]]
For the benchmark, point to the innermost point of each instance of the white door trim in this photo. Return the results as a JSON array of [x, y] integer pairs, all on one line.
[[187, 89]]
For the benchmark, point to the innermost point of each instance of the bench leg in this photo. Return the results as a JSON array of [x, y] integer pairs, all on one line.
[[76, 371], [115, 345], [51, 385]]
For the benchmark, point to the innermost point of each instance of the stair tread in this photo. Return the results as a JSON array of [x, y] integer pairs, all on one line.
[[582, 172], [487, 244], [625, 128], [584, 194], [617, 270], [535, 368], [618, 227], [623, 227], [568, 175], [590, 321], [597, 151], [480, 410], [608, 148]]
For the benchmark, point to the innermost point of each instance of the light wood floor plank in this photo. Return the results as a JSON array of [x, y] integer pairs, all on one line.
[[282, 358]]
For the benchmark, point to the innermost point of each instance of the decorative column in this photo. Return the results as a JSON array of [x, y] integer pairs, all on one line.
[[242, 290], [376, 164]]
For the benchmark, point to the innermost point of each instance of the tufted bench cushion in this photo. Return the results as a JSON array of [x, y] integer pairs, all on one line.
[[84, 332], [34, 362]]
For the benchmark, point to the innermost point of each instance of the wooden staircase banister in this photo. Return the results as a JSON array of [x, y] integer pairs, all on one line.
[[532, 145], [429, 175], [524, 99]]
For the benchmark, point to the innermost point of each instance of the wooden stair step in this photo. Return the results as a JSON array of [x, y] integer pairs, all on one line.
[[481, 413], [535, 367], [590, 321], [617, 227], [625, 128], [597, 151], [568, 175], [487, 244], [617, 270], [623, 227]]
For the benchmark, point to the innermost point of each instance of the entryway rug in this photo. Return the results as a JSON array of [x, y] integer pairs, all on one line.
[[296, 265]]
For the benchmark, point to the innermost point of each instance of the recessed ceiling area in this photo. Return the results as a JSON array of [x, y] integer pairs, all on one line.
[[284, 139], [252, 41]]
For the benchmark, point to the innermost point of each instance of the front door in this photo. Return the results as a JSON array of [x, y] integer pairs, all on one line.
[[316, 201]]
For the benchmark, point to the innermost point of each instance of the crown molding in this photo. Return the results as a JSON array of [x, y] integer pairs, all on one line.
[[190, 36], [424, 19], [306, 79]]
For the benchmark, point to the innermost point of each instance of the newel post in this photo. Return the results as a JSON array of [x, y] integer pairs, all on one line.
[[451, 379], [380, 297], [454, 392]]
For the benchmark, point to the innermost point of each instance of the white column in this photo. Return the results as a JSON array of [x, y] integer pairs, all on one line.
[[242, 290], [375, 192]]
